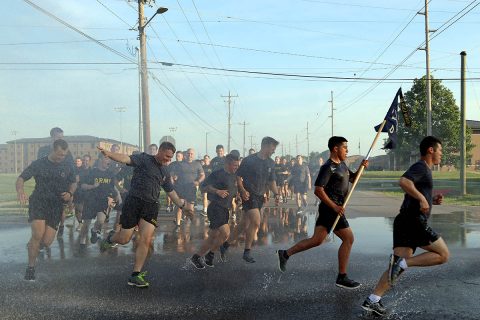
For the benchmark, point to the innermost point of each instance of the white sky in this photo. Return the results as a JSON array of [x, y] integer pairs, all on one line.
[[335, 38]]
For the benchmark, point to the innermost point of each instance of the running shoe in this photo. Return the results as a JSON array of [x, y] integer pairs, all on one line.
[[106, 244], [282, 260], [138, 280], [94, 236], [30, 274], [197, 262], [346, 283], [375, 307], [209, 259], [394, 269], [248, 258]]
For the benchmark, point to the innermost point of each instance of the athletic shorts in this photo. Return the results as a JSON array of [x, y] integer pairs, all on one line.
[[217, 215], [411, 230], [135, 209], [188, 192], [45, 209], [301, 187], [280, 181], [326, 218], [254, 202], [93, 206]]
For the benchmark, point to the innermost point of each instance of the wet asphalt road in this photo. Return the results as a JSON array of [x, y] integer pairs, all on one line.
[[93, 286]]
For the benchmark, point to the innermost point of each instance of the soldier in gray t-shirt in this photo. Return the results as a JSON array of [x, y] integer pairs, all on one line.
[[189, 175], [256, 176]]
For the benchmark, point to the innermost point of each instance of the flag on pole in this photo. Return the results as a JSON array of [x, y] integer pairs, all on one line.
[[391, 125]]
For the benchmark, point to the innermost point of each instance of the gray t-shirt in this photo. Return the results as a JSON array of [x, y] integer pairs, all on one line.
[[256, 174], [148, 177], [300, 173], [188, 172]]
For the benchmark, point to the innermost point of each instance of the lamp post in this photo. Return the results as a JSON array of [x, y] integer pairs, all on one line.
[[144, 72]]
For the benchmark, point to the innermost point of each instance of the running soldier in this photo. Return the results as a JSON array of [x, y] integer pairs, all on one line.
[[218, 162], [100, 194], [410, 227], [54, 186], [141, 205], [331, 187], [254, 177], [221, 187], [189, 176], [302, 182]]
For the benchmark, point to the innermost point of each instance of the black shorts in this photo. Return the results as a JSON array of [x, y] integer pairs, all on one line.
[[301, 187], [93, 206], [254, 202], [281, 181], [188, 192], [217, 215], [411, 230], [135, 209], [326, 218], [49, 210]]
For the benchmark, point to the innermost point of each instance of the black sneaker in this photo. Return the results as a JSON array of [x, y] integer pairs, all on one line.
[[197, 262], [30, 274], [209, 259], [94, 236], [60, 231], [375, 307], [282, 260], [248, 258], [394, 269], [346, 283]]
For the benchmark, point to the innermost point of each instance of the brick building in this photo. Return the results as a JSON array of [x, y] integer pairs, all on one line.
[[24, 151]]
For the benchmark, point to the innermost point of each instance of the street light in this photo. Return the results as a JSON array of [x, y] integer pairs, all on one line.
[[144, 72]]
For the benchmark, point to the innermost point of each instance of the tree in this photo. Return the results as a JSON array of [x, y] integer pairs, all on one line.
[[445, 124]]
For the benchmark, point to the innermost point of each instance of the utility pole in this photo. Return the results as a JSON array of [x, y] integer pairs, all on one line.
[[172, 132], [144, 71], [427, 65], [229, 101], [144, 77], [244, 124], [296, 144], [140, 122], [120, 110], [14, 132], [206, 142], [463, 106], [308, 145], [251, 141], [331, 101], [289, 149]]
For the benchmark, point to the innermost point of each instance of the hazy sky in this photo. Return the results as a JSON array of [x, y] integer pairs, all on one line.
[[54, 76]]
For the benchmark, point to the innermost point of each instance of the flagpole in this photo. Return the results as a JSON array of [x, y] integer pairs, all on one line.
[[359, 173]]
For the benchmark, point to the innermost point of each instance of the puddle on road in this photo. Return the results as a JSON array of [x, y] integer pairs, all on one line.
[[278, 227]]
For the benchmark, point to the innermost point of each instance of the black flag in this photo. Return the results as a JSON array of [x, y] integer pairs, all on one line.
[[391, 126]]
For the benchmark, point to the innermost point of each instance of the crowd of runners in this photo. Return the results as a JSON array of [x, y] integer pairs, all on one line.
[[221, 189]]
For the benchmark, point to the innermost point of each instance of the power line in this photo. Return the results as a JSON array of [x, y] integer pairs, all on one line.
[[116, 15]]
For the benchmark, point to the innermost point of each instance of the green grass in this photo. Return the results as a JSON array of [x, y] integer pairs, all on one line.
[[471, 175], [7, 187], [467, 200]]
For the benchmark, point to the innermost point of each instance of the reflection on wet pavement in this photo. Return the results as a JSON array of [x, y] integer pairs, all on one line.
[[280, 227]]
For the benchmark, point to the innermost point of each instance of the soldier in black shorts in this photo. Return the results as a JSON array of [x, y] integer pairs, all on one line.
[[255, 177], [99, 188], [221, 187], [410, 228], [54, 186], [141, 205], [331, 187]]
